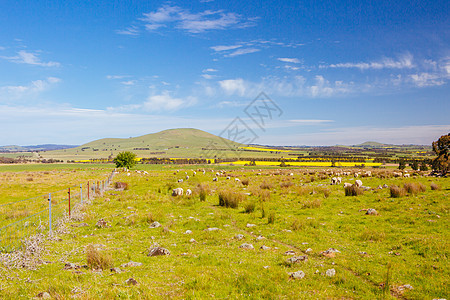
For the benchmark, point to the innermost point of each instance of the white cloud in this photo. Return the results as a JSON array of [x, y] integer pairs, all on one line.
[[129, 82], [242, 52], [157, 103], [289, 60], [194, 22], [209, 70], [404, 62], [24, 57], [133, 31], [225, 48], [234, 86], [310, 121], [33, 89], [116, 76], [208, 76], [426, 79]]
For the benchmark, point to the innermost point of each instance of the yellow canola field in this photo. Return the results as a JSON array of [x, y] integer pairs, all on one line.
[[305, 163]]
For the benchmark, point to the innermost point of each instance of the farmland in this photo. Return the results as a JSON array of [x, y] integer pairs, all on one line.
[[400, 252]]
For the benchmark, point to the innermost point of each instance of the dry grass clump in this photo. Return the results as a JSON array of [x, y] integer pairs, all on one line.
[[414, 188], [396, 191], [266, 185], [245, 181], [97, 259], [271, 218], [229, 198], [372, 235], [353, 190], [203, 191], [121, 185], [434, 187], [312, 203], [30, 178], [15, 214], [264, 195], [286, 184], [249, 207]]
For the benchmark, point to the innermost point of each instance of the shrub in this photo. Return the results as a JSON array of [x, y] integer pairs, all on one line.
[[353, 190], [230, 198], [96, 259], [245, 181], [397, 192], [249, 207], [434, 186], [203, 191], [271, 218], [264, 195]]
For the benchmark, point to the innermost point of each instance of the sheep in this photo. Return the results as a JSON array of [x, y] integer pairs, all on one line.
[[180, 180], [406, 175], [338, 180], [347, 185], [358, 183], [187, 177], [188, 192], [177, 192], [215, 179], [237, 179]]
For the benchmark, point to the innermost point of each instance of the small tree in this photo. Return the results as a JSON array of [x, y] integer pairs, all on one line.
[[125, 159], [414, 165], [442, 148], [423, 166], [401, 164]]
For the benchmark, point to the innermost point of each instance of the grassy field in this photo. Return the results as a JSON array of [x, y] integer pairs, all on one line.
[[402, 252]]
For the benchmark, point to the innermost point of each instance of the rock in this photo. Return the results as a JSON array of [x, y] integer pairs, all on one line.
[[192, 241], [308, 250], [102, 224], [158, 251], [260, 238], [371, 211], [330, 272], [246, 246], [131, 264], [263, 247], [80, 225], [155, 224], [250, 225], [44, 295], [297, 259], [239, 236], [385, 186], [297, 275], [330, 253], [131, 281], [116, 270], [212, 229], [289, 252], [188, 232]]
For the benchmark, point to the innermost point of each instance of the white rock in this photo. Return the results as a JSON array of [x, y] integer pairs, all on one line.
[[330, 272]]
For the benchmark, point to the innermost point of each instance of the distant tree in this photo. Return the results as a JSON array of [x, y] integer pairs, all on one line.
[[414, 165], [423, 166], [125, 159], [401, 164], [442, 149]]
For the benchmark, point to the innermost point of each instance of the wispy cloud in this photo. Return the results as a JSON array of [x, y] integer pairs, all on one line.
[[116, 76], [30, 58], [404, 62], [289, 60], [310, 121], [13, 93], [168, 16], [242, 52], [209, 70], [225, 48]]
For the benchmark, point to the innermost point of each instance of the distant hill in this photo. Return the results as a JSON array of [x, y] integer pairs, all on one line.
[[371, 144], [45, 147]]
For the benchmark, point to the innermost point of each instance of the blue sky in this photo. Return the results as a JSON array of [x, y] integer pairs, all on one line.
[[340, 72]]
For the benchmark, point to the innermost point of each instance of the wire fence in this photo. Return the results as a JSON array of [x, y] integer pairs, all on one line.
[[38, 215]]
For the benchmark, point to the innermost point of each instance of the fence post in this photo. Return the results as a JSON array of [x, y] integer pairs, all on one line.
[[88, 190], [69, 201], [50, 213], [81, 193]]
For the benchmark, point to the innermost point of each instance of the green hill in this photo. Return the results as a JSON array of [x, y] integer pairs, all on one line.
[[182, 142]]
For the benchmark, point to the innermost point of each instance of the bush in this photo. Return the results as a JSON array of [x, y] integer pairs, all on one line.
[[312, 203], [397, 192], [353, 190], [125, 159], [203, 191], [264, 195], [121, 185], [245, 181], [96, 259], [434, 186], [230, 198]]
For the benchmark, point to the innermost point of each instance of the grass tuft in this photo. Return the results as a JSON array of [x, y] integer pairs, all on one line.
[[97, 259], [353, 190], [396, 191], [229, 198]]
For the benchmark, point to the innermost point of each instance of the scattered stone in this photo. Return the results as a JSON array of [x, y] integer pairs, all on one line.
[[260, 238], [297, 259], [192, 241], [330, 272], [239, 236], [116, 270], [80, 225], [158, 251], [266, 267], [131, 281], [263, 247], [131, 264], [155, 224], [304, 243], [212, 229], [246, 246], [72, 266], [371, 211], [330, 253], [405, 286], [289, 252], [297, 275], [188, 232], [102, 224], [44, 295], [308, 250], [250, 225], [184, 254], [385, 186]]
